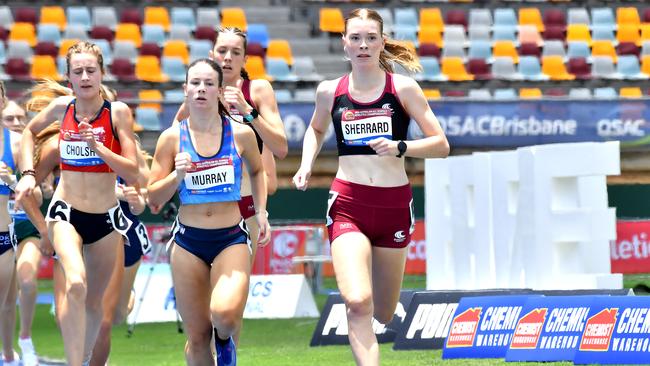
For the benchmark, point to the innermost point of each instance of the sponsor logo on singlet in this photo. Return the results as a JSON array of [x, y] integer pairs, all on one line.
[[361, 126], [211, 176]]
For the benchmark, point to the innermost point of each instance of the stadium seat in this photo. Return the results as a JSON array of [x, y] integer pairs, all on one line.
[[205, 33], [605, 93], [629, 33], [530, 34], [627, 48], [255, 68], [234, 17], [331, 21], [405, 33], [107, 51], [627, 16], [531, 16], [602, 34], [430, 70], [645, 49], [131, 16], [454, 50], [304, 95], [431, 17], [6, 16], [529, 49], [254, 49], [208, 17], [629, 69], [479, 68], [554, 48], [48, 33], [645, 64], [480, 49], [530, 93], [148, 119], [180, 32], [406, 17], [578, 49], [454, 94], [176, 49], [150, 49], [305, 69], [505, 49], [174, 68], [102, 32], [479, 94], [79, 15], [505, 17], [580, 93], [554, 18], [65, 45], [554, 33], [456, 17], [480, 17], [147, 68], [280, 48], [183, 16], [157, 15], [505, 94], [479, 33], [555, 92], [283, 96], [454, 69], [258, 33], [199, 48], [430, 49], [150, 98], [20, 49], [603, 48], [26, 15], [578, 32], [579, 68], [153, 33], [17, 69], [631, 92], [431, 94], [53, 15], [454, 34], [387, 15], [503, 68], [603, 67], [75, 31], [530, 69], [175, 96], [603, 18], [125, 49], [23, 32], [104, 16], [504, 33], [128, 32], [646, 16], [553, 66], [431, 35], [279, 70], [44, 67], [578, 16]]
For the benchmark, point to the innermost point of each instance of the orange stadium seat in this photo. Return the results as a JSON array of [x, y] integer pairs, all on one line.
[[553, 66], [255, 68], [530, 93], [629, 33], [65, 45], [147, 68], [630, 92], [44, 67], [431, 35], [178, 49], [157, 15], [431, 17], [23, 32], [331, 20], [505, 49], [431, 94], [454, 69], [234, 17], [603, 48], [53, 15], [626, 16], [129, 32], [150, 98], [280, 48], [578, 32], [531, 16]]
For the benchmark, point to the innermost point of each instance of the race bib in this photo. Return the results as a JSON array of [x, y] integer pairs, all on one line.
[[15, 211], [121, 223], [361, 126], [210, 176], [141, 231], [59, 210], [78, 153]]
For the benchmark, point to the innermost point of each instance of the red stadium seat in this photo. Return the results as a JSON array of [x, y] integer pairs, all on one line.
[[580, 68], [479, 68], [529, 49], [123, 70], [429, 49]]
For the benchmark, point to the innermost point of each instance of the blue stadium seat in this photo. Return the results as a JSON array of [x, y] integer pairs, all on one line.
[[48, 33], [104, 16], [505, 17], [258, 33], [174, 96], [283, 96], [199, 48], [79, 15], [530, 68], [480, 49], [180, 32], [279, 69], [430, 70], [579, 49], [174, 68], [505, 94], [406, 17], [505, 33], [147, 118], [184, 16], [605, 93], [628, 67], [107, 51], [153, 33], [603, 17]]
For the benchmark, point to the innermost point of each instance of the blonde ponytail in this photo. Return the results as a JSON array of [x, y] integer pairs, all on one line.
[[401, 53]]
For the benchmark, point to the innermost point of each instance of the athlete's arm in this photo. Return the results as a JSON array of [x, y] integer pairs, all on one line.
[[163, 179], [268, 161], [269, 123], [251, 155], [435, 144], [315, 134]]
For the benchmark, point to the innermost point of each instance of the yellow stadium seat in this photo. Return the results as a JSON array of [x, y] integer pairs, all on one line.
[[628, 33], [604, 48], [430, 34], [150, 98], [176, 48], [530, 93], [630, 92], [578, 32], [255, 68], [331, 20], [23, 32], [65, 45], [128, 32], [44, 67], [234, 17], [147, 68], [280, 48], [645, 65], [431, 17], [553, 66], [505, 49], [53, 15], [627, 16], [531, 16], [645, 32], [431, 94], [157, 15], [454, 69]]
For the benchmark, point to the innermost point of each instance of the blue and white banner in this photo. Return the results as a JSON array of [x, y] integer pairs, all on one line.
[[617, 332], [504, 124]]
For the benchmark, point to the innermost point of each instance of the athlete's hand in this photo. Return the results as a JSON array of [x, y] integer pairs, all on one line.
[[264, 236], [235, 98], [45, 245], [86, 133], [132, 197], [182, 162], [301, 179], [25, 187], [6, 174], [384, 146]]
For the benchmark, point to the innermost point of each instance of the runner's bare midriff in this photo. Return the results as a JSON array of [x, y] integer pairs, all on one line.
[[87, 192], [372, 170]]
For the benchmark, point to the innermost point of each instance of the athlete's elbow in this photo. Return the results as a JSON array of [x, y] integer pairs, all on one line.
[[283, 151]]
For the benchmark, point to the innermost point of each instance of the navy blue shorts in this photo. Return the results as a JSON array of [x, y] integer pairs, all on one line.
[[5, 242], [136, 244], [208, 243]]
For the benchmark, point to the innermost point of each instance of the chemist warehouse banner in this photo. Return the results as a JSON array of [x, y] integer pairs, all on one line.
[[509, 124]]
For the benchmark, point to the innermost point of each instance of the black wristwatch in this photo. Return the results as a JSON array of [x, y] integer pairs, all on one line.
[[251, 116], [401, 147]]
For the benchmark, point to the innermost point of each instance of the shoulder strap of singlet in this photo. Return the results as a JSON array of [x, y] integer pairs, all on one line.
[[390, 86], [246, 90], [342, 86]]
